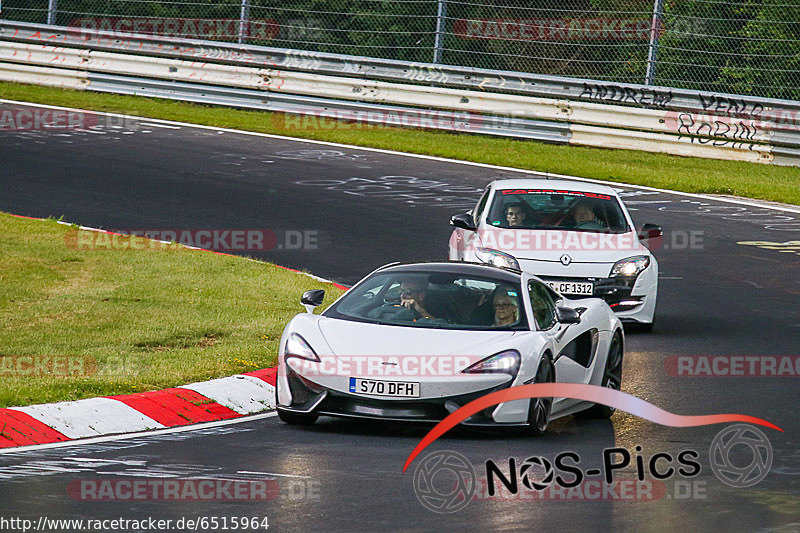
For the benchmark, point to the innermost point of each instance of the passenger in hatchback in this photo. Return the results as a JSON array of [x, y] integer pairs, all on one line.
[[515, 215]]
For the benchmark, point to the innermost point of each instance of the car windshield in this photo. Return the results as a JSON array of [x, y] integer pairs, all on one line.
[[433, 300], [539, 209]]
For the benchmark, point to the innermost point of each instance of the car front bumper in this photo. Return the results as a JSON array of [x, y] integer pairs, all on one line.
[[631, 299], [311, 398]]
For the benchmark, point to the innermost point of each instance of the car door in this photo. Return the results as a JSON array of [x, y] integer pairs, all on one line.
[[543, 306]]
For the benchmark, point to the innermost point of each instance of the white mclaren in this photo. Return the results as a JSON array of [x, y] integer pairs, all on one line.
[[578, 237], [416, 341]]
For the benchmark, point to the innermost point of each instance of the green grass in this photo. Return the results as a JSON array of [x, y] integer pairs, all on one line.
[[766, 182], [144, 319]]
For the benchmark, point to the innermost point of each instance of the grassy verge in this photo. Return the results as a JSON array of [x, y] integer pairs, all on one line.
[[779, 184], [131, 321]]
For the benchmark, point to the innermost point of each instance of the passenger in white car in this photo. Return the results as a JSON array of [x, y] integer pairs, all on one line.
[[506, 309]]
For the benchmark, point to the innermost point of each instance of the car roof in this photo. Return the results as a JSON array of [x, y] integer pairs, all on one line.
[[455, 267], [540, 183]]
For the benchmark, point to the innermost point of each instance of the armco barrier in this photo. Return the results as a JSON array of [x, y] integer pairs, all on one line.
[[487, 102], [401, 71], [302, 83]]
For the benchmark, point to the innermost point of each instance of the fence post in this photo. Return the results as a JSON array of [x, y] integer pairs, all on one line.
[[655, 33], [440, 29], [51, 11], [244, 24]]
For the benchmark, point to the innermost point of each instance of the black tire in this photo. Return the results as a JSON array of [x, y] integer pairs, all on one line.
[[612, 378], [540, 408], [297, 419]]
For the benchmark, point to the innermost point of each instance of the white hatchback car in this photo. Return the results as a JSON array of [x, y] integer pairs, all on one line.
[[576, 236]]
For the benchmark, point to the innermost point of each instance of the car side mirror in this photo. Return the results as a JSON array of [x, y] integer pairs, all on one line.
[[651, 231], [567, 315], [464, 221], [312, 299]]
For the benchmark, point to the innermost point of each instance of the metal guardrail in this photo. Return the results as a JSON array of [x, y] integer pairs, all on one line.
[[646, 96], [301, 83], [334, 109], [663, 120]]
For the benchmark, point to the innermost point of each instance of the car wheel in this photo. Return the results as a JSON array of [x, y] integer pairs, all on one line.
[[297, 419], [612, 378], [539, 409]]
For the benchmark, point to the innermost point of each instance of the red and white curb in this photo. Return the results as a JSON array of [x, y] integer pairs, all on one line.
[[209, 401]]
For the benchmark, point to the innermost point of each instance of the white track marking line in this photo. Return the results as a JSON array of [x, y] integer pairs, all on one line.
[[106, 462], [159, 125], [270, 474], [418, 156], [110, 438]]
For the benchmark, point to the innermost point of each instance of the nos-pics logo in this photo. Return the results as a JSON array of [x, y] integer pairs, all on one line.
[[445, 481]]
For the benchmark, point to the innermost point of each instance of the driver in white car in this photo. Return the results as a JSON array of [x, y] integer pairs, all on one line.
[[584, 216], [412, 296]]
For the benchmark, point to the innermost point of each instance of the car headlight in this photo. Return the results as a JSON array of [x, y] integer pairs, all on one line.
[[506, 362], [296, 346], [631, 266], [497, 258]]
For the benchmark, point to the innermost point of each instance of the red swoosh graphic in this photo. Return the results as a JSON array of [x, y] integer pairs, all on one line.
[[590, 393]]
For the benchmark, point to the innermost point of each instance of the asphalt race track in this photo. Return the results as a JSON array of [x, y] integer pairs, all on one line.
[[367, 208]]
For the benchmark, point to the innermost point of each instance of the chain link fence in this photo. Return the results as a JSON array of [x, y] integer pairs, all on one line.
[[740, 46]]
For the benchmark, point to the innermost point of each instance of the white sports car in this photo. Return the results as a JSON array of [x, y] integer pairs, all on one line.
[[578, 237], [416, 341]]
